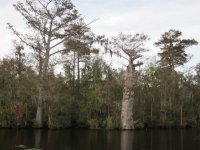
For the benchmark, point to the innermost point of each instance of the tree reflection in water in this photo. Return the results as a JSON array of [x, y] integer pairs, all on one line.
[[127, 140], [78, 139], [38, 139]]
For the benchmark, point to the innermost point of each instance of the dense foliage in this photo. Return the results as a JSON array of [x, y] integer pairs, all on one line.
[[97, 103], [88, 92]]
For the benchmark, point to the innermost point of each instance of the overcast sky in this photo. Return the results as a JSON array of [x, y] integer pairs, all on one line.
[[152, 17]]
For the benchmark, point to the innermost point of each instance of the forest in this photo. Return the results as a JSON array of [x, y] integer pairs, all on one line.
[[58, 75]]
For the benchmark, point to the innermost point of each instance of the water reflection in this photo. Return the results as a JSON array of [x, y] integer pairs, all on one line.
[[127, 140], [101, 139], [38, 139]]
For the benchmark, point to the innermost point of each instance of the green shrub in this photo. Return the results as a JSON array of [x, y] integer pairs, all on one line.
[[93, 123], [6, 118]]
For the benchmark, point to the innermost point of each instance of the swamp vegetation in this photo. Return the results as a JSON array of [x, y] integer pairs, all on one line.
[[88, 92]]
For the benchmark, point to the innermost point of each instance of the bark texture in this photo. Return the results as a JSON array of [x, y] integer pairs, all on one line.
[[39, 114], [128, 100]]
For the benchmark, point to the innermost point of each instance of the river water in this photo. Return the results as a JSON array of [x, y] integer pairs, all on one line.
[[100, 139]]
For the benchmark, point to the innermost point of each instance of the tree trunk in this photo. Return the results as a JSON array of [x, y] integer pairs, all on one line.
[[39, 114], [78, 67], [43, 75], [181, 114], [152, 108], [128, 98], [74, 67]]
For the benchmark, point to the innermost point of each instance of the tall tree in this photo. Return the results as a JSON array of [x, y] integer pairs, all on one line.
[[197, 95], [129, 47], [173, 48], [81, 47], [173, 55], [52, 22]]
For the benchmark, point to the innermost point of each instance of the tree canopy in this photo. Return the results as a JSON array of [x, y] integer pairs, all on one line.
[[173, 48], [89, 92]]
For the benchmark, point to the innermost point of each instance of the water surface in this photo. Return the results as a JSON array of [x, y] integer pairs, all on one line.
[[101, 139]]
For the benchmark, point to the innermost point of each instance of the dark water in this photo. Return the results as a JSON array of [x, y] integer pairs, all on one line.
[[101, 139]]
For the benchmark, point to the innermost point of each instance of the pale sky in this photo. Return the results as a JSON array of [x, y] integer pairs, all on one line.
[[152, 17]]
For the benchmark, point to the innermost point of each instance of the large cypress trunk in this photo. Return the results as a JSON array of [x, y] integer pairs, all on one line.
[[128, 99], [43, 73], [39, 114]]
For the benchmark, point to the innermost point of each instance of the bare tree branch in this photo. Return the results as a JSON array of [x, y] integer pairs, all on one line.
[[59, 51]]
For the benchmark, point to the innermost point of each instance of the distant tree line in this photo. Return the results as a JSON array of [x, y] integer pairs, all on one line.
[[89, 93]]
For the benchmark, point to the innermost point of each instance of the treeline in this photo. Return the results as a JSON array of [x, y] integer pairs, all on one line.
[[88, 93], [163, 98], [92, 101]]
